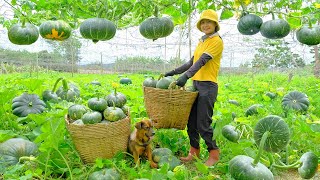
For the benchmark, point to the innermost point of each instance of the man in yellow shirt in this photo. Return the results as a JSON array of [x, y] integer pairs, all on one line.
[[203, 69]]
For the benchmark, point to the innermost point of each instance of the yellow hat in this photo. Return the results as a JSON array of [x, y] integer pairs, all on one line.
[[210, 15]]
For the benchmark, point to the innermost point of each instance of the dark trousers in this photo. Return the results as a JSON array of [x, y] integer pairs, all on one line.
[[200, 119]]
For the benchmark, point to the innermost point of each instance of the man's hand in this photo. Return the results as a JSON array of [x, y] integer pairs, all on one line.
[[182, 80], [170, 73]]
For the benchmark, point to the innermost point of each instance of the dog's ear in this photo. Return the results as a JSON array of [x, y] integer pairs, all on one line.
[[138, 125]]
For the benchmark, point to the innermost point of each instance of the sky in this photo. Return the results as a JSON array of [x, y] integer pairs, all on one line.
[[130, 43]]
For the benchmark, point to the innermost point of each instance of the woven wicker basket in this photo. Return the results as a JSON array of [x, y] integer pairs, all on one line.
[[100, 140], [168, 108]]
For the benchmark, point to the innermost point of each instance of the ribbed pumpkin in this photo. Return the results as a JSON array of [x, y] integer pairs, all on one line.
[[27, 104], [308, 36], [275, 29], [23, 34], [55, 30], [97, 29], [249, 24], [154, 27], [295, 100]]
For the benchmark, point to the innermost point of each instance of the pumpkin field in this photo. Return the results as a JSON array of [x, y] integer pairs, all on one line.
[[53, 155], [89, 89]]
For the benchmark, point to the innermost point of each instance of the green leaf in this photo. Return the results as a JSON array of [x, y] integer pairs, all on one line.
[[294, 20], [226, 14], [6, 134], [202, 167]]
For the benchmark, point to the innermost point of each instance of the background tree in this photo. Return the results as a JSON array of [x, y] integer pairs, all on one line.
[[276, 53]]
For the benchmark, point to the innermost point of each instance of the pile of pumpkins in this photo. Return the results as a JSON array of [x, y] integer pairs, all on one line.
[[164, 83], [250, 24], [99, 110]]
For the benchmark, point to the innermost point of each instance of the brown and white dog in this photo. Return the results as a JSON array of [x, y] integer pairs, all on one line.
[[140, 142]]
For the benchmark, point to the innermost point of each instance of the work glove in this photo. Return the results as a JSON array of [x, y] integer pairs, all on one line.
[[181, 81], [170, 73]]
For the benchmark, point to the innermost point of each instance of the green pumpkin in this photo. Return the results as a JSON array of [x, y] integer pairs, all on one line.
[[97, 104], [27, 104], [116, 99], [309, 165], [12, 149], [235, 102], [230, 133], [308, 36], [295, 100], [157, 153], [91, 117], [150, 82], [164, 83], [68, 92], [95, 82], [113, 114], [249, 24], [154, 27], [97, 29], [279, 133], [55, 30], [125, 81], [172, 160], [241, 168], [76, 111], [275, 29], [105, 174], [271, 95], [252, 110], [50, 95], [23, 34]]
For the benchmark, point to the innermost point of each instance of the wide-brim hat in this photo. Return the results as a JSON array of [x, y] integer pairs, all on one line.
[[210, 15]]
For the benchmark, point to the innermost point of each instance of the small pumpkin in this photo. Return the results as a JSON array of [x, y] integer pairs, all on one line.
[[95, 82], [155, 27], [275, 29], [97, 104], [23, 34], [76, 111], [68, 92], [235, 102], [105, 174], [150, 82], [125, 81], [91, 117], [116, 99], [279, 133], [308, 35], [164, 82], [295, 100], [157, 153], [172, 160], [309, 165], [12, 149], [55, 30], [249, 24], [97, 29], [50, 95], [113, 114], [252, 110], [27, 104], [230, 133], [241, 167], [271, 95]]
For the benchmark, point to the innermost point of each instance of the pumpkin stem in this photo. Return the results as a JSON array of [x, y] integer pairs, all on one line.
[[65, 84], [273, 18], [23, 24], [294, 165], [55, 84], [309, 22], [156, 11], [161, 76], [261, 145]]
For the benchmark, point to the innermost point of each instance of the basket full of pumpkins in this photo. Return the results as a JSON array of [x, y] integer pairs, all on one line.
[[102, 128], [167, 105]]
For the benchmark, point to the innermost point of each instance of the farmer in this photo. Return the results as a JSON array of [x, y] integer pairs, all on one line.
[[203, 69]]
